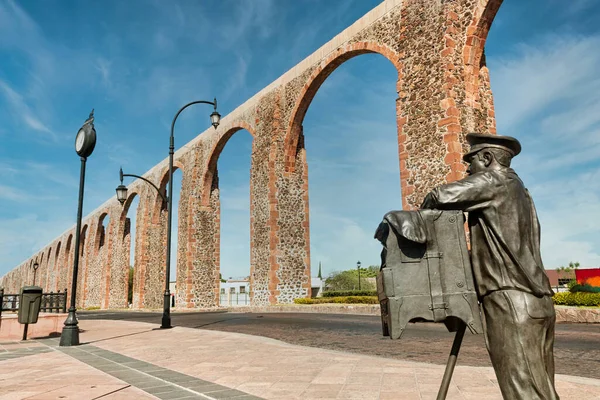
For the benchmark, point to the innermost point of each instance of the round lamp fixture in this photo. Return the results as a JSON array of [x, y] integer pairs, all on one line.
[[85, 141], [215, 118], [121, 193]]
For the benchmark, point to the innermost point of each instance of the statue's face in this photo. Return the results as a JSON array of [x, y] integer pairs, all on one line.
[[477, 163]]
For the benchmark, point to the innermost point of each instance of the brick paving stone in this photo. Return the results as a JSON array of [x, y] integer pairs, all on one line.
[[230, 366]]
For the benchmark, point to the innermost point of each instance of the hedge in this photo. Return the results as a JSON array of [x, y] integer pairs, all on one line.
[[340, 300], [585, 288], [562, 298], [343, 293], [577, 299]]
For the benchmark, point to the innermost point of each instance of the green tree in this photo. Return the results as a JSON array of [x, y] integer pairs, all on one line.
[[348, 280]]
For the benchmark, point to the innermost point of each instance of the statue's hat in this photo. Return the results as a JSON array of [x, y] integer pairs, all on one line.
[[480, 141]]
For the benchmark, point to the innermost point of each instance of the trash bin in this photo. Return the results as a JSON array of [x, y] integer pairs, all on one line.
[[30, 300]]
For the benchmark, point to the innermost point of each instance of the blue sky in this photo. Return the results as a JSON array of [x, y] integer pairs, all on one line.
[[137, 62]]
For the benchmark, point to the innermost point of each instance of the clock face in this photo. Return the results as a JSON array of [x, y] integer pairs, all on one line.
[[79, 141]]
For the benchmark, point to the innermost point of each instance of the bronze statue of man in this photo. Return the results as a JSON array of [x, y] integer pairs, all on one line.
[[513, 288]]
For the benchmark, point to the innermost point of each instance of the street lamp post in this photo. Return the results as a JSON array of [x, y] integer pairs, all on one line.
[[358, 268], [122, 189], [215, 118], [35, 267], [84, 146]]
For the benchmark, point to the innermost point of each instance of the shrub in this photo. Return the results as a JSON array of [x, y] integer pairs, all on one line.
[[577, 299], [585, 288], [338, 293], [340, 300]]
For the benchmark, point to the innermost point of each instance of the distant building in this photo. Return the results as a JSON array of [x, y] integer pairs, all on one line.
[[235, 292], [559, 280], [316, 286], [173, 291]]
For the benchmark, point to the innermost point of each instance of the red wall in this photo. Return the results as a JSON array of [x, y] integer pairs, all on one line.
[[592, 276]]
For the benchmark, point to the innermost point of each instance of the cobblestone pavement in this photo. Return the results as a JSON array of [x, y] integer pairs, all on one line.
[[577, 347]]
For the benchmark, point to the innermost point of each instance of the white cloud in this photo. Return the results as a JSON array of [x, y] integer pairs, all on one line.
[[27, 234], [103, 67], [21, 109], [13, 194], [548, 96], [539, 75], [569, 209], [258, 14]]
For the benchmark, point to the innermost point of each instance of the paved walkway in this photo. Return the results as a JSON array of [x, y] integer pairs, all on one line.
[[133, 360]]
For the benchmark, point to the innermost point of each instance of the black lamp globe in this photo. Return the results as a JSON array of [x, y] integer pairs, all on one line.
[[121, 189], [215, 117], [121, 193], [85, 141]]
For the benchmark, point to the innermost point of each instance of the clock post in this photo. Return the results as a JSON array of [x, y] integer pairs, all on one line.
[[85, 141]]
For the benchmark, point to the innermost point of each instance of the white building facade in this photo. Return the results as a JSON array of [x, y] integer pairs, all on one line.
[[235, 292]]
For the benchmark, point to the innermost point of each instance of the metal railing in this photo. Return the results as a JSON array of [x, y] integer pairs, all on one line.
[[234, 299], [51, 302]]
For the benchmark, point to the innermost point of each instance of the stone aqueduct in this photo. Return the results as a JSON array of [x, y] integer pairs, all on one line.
[[443, 93]]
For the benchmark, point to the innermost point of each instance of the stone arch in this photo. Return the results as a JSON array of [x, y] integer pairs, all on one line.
[[478, 94], [101, 238], [159, 204], [29, 272], [45, 270], [81, 269], [210, 212], [473, 51], [318, 77], [152, 271], [121, 253], [130, 197], [67, 272], [211, 163], [56, 268]]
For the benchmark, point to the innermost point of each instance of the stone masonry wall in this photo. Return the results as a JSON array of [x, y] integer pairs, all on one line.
[[437, 48]]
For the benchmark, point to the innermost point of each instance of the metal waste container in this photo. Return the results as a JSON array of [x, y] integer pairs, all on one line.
[[30, 300]]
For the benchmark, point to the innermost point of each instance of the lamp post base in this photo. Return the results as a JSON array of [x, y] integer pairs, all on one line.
[[166, 318], [70, 332]]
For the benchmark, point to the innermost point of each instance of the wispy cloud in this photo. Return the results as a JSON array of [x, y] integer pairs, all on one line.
[[11, 193], [536, 76], [22, 110], [547, 95], [237, 80], [103, 67], [256, 15], [15, 241]]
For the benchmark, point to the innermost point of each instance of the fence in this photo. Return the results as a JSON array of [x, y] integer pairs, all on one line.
[[234, 299], [51, 302]]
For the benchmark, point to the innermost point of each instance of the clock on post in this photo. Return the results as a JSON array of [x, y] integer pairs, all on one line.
[[85, 141]]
